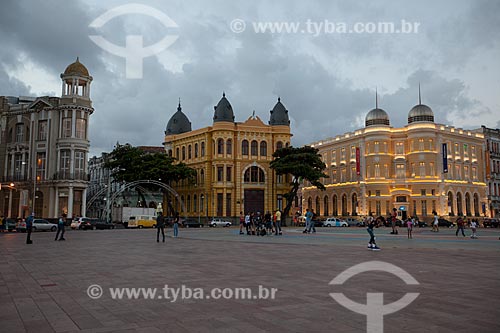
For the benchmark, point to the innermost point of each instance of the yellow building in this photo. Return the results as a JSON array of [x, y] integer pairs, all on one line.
[[419, 168], [231, 160]]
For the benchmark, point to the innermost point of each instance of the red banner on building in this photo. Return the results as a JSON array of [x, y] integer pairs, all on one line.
[[358, 169]]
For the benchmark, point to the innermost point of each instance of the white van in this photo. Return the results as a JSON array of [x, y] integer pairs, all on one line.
[[142, 221]]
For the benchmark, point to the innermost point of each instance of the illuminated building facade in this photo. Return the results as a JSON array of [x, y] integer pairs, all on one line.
[[231, 160], [419, 168], [492, 138]]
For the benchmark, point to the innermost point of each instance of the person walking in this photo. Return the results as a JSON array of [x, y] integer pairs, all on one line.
[[309, 216], [409, 226], [29, 228], [247, 222], [372, 223], [242, 222], [394, 216], [278, 223], [176, 224], [160, 225], [435, 224], [473, 227], [60, 227], [460, 226]]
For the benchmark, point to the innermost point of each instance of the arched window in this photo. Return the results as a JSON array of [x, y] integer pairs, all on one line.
[[177, 153], [287, 144], [188, 203], [195, 150], [220, 146], [254, 174], [310, 203], [254, 148], [335, 210], [189, 152], [476, 205], [318, 206], [344, 205], [279, 145], [325, 206], [195, 203], [229, 146], [467, 205], [202, 176], [459, 204], [244, 147], [450, 204], [354, 203], [202, 149], [170, 152], [263, 148], [183, 153]]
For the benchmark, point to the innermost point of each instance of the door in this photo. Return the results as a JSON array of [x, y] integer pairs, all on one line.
[[254, 201]]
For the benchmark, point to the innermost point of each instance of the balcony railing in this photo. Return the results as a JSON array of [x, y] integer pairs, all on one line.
[[66, 175]]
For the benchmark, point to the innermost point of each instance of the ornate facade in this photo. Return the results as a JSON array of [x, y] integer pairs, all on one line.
[[492, 137], [231, 160], [419, 168], [43, 149]]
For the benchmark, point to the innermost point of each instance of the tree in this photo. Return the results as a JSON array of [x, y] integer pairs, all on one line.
[[303, 163], [128, 163]]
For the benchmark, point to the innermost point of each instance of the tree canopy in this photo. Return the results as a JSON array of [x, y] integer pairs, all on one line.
[[303, 163], [128, 163]]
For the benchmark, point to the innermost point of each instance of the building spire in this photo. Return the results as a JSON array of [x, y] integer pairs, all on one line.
[[419, 96], [179, 107], [223, 94], [376, 98]]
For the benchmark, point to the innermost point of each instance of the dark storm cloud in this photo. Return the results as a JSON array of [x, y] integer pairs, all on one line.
[[310, 74]]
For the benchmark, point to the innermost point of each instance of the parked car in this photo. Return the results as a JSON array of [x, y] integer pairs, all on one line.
[[335, 222], [491, 223], [219, 223], [101, 225], [421, 224], [142, 221], [88, 224], [77, 221], [445, 223], [20, 225], [190, 223], [9, 224], [352, 221], [44, 225]]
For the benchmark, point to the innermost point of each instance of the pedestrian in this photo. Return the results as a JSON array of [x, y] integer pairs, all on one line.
[[372, 223], [473, 226], [409, 226], [460, 226], [242, 222], [394, 216], [60, 227], [268, 221], [160, 225], [247, 222], [29, 228], [435, 224], [309, 216], [176, 224], [278, 222]]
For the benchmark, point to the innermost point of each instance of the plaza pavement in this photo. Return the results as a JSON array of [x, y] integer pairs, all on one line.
[[43, 286]]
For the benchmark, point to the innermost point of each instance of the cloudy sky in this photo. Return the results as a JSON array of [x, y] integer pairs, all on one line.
[[326, 80]]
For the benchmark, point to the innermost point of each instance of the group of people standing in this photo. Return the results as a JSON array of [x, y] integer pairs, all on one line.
[[256, 224], [160, 226]]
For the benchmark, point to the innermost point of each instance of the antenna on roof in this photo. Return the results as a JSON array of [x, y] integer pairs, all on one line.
[[376, 98], [419, 96]]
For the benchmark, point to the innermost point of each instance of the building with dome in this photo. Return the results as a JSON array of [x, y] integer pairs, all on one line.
[[43, 149], [419, 168], [231, 160]]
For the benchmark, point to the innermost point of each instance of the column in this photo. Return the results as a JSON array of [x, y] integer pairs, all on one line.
[[12, 165], [73, 123], [62, 88], [84, 202], [70, 202], [56, 203], [52, 212], [10, 203]]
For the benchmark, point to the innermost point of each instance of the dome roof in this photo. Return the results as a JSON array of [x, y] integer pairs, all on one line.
[[279, 115], [420, 112], [223, 110], [377, 117], [77, 68], [178, 123]]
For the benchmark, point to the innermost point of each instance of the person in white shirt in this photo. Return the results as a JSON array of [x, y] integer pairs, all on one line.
[[473, 227], [435, 224]]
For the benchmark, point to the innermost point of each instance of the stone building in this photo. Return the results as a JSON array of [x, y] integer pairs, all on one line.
[[231, 160], [419, 168], [43, 149], [492, 139]]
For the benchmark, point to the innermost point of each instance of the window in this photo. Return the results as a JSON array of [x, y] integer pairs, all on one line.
[[42, 130], [66, 127], [279, 145], [473, 151], [422, 169], [412, 168], [244, 147], [377, 193], [334, 176], [183, 153], [342, 175], [254, 174], [353, 153], [64, 166], [474, 173], [466, 151], [353, 173], [466, 172], [229, 147], [228, 173], [195, 203], [334, 157], [423, 192], [202, 149], [220, 146], [457, 150], [202, 176], [399, 148], [377, 170], [81, 128], [342, 155], [421, 145], [189, 152], [177, 153], [188, 203], [400, 171], [195, 150], [40, 166], [457, 172], [220, 173], [18, 164], [431, 144], [228, 204], [424, 207], [254, 148], [432, 171], [377, 144], [79, 164], [263, 148], [19, 132]]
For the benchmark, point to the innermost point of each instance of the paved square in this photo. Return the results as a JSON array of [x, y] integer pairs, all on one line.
[[43, 287]]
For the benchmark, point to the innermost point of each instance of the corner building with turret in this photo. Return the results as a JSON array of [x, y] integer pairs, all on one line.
[[231, 160], [417, 169]]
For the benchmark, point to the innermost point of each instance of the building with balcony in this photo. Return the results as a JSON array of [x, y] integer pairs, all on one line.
[[419, 168], [492, 139], [231, 160], [43, 149]]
